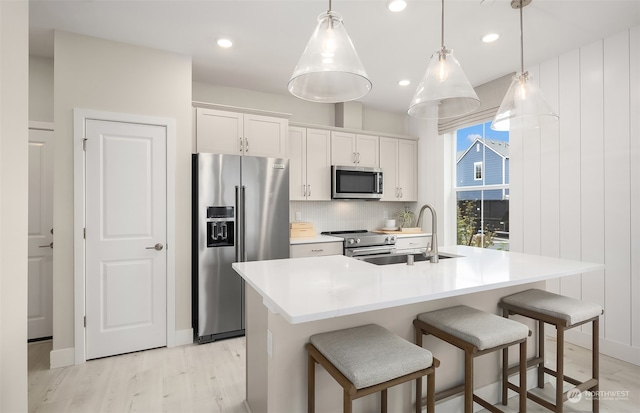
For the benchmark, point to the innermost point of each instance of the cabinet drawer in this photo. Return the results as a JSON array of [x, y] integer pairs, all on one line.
[[315, 249], [410, 243]]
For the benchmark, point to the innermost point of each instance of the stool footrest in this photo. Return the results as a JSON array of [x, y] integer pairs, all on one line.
[[542, 402], [530, 363], [486, 405], [571, 380], [582, 387], [449, 392]]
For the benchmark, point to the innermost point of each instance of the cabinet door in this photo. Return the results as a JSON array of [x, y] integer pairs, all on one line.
[[318, 165], [218, 131], [297, 163], [265, 136], [367, 150], [408, 170], [343, 148], [389, 165]]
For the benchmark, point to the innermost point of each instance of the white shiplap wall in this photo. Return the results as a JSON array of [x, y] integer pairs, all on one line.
[[575, 184]]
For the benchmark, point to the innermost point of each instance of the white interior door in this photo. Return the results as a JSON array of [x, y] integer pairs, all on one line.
[[40, 266], [126, 236]]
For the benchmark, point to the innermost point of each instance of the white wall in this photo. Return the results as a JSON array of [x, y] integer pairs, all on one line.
[[586, 195], [91, 73], [14, 37], [575, 185], [40, 89]]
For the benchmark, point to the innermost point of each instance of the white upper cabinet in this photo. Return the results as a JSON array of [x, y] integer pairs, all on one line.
[[310, 164], [399, 163], [354, 149], [236, 133]]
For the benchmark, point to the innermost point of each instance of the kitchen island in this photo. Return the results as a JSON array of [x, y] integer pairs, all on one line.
[[289, 300]]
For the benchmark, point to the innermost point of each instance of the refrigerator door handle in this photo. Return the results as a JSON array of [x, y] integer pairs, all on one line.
[[239, 225]]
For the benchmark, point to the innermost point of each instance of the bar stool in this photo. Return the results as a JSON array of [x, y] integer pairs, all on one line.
[[564, 313], [476, 333], [369, 359]]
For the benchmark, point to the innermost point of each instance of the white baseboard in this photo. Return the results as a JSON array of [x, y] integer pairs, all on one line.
[[62, 358], [607, 347], [183, 337], [492, 393]]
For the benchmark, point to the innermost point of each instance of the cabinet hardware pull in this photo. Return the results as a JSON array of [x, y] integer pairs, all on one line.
[[241, 148], [46, 246], [320, 250], [308, 190], [246, 145]]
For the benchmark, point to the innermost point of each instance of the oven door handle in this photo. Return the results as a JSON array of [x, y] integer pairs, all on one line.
[[358, 252]]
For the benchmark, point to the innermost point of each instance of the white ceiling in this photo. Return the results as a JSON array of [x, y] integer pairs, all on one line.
[[269, 36]]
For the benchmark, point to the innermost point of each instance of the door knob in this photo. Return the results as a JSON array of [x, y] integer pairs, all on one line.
[[46, 246], [157, 247]]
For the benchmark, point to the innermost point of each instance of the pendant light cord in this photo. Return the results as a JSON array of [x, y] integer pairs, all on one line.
[[521, 41], [442, 27]]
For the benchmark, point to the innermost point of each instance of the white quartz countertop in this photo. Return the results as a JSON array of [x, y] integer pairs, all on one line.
[[317, 288]]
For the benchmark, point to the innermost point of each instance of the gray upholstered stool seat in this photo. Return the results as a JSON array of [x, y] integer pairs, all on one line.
[[477, 333], [368, 359], [476, 327], [564, 313], [572, 310]]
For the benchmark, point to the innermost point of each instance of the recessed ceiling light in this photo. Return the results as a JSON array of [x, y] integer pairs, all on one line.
[[404, 82], [491, 37], [226, 43], [396, 5]]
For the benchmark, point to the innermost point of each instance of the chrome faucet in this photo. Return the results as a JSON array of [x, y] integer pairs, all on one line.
[[432, 251]]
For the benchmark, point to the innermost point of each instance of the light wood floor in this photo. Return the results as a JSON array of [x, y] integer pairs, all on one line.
[[211, 378]]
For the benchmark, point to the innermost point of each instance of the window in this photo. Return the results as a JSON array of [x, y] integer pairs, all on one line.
[[482, 187], [477, 171]]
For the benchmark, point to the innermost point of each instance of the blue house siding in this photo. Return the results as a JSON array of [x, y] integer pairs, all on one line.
[[493, 165]]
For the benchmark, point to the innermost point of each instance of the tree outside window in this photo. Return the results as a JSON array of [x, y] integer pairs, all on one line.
[[482, 187]]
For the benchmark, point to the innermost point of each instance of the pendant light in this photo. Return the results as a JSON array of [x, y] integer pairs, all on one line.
[[329, 70], [444, 91], [524, 106]]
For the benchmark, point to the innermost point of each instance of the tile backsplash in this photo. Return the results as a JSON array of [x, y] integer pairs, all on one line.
[[346, 215]]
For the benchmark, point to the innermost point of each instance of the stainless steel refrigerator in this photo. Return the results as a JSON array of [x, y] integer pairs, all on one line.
[[240, 213]]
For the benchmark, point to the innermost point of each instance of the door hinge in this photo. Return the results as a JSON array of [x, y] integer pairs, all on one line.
[[85, 321], [84, 144]]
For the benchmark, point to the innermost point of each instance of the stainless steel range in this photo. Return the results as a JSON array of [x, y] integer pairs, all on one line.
[[363, 243]]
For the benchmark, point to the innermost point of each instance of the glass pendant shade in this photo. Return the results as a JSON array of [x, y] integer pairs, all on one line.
[[329, 70], [523, 106], [444, 91]]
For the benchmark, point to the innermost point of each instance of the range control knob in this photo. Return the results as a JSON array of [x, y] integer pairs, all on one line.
[[358, 241], [351, 241]]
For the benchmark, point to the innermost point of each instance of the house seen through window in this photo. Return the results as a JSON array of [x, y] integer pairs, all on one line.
[[482, 187]]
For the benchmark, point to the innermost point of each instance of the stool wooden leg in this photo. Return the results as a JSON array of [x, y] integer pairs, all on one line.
[[560, 369], [505, 375], [523, 377], [595, 363], [346, 402], [419, 394], [541, 339], [311, 384], [431, 393], [468, 382], [383, 401]]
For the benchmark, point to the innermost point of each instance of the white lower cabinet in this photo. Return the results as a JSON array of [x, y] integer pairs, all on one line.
[[315, 249], [399, 163]]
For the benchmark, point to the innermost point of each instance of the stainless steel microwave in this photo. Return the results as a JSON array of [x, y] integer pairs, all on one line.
[[356, 182]]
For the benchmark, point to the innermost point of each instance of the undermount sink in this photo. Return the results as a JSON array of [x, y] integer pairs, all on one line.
[[399, 259]]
